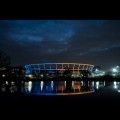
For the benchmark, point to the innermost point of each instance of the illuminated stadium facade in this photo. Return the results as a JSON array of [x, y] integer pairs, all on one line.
[[52, 68]]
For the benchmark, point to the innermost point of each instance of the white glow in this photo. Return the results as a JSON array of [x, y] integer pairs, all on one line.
[[41, 85], [65, 84], [118, 90], [115, 84], [12, 83], [73, 82], [52, 85], [81, 83], [114, 70], [3, 75], [6, 82], [113, 74], [30, 76], [29, 86], [97, 84], [41, 75], [93, 83], [104, 83], [96, 70]]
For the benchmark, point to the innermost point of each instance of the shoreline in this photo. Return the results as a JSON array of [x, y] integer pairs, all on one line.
[[61, 79]]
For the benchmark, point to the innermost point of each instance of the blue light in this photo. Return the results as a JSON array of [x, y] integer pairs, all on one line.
[[28, 72]]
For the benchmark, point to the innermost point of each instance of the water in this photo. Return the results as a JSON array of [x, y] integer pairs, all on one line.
[[59, 97], [60, 88]]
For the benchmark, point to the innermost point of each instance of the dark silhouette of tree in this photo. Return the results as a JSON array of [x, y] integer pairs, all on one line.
[[67, 73], [85, 73], [4, 59], [97, 67], [68, 86]]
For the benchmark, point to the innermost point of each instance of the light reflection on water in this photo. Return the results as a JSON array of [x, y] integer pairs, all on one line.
[[56, 87]]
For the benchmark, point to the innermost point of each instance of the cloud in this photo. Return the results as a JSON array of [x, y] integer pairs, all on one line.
[[35, 41]]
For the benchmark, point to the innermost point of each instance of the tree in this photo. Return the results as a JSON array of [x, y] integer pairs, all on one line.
[[67, 73], [4, 59], [98, 68], [85, 73]]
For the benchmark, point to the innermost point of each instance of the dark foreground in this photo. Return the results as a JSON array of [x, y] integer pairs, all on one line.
[[104, 101], [59, 104]]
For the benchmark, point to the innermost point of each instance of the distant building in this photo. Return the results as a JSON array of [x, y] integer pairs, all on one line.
[[12, 71]]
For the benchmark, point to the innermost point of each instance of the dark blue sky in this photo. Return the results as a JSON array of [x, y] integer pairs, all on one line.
[[85, 41]]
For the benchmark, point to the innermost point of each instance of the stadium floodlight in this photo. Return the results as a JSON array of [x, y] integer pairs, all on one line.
[[114, 70]]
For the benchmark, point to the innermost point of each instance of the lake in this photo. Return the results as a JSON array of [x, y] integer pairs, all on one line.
[[61, 95]]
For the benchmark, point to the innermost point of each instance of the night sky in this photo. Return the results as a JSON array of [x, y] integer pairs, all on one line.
[[94, 42]]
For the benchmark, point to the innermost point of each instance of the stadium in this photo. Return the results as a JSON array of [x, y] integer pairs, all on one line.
[[75, 69]]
